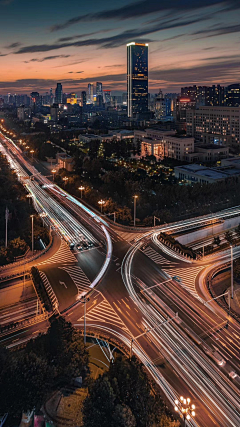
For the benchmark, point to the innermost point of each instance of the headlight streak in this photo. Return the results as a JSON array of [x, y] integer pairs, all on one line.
[[199, 366]]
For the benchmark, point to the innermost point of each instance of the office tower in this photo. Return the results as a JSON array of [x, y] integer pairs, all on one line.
[[107, 96], [137, 78], [204, 95], [232, 95], [99, 89], [58, 94], [90, 94], [83, 98]]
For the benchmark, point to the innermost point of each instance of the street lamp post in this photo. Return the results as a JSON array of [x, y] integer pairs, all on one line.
[[53, 173], [186, 410], [29, 196], [65, 179], [231, 271], [134, 211], [149, 330], [32, 151], [32, 216], [154, 220], [101, 203], [81, 189], [84, 301]]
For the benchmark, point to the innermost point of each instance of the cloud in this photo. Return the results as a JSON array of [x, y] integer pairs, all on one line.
[[212, 72], [81, 36], [75, 72], [218, 31], [13, 45], [113, 41], [143, 8], [47, 58]]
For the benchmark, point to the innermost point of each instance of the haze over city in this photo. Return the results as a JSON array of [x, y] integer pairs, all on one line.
[[80, 42]]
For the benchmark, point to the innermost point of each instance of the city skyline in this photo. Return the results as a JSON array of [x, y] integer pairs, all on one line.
[[188, 44]]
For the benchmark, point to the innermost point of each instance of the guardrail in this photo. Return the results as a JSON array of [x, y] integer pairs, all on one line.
[[220, 301]]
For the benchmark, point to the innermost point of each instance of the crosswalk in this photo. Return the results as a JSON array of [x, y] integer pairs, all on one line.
[[77, 275], [130, 237], [104, 313], [49, 290], [62, 256], [188, 278], [155, 256]]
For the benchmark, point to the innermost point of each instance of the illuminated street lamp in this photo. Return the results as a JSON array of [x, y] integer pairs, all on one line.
[[65, 179], [101, 203], [81, 189], [53, 173], [43, 215], [32, 216], [135, 208], [186, 410], [32, 151]]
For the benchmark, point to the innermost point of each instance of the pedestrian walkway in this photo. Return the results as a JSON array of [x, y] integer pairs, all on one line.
[[77, 275], [62, 256], [155, 256], [104, 313], [188, 278]]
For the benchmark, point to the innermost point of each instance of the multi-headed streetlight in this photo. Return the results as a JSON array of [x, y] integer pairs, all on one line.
[[81, 189], [184, 407], [65, 179], [53, 173], [101, 203]]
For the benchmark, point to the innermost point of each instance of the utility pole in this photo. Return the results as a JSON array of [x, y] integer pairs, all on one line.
[[134, 210], [6, 219], [32, 216], [84, 301]]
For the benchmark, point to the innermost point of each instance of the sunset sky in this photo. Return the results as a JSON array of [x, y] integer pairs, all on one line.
[[76, 42]]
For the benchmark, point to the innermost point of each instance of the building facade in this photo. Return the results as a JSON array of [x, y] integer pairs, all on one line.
[[214, 125], [58, 94], [137, 78]]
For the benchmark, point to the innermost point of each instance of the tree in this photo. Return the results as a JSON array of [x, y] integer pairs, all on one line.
[[99, 405], [123, 416], [27, 379], [237, 230]]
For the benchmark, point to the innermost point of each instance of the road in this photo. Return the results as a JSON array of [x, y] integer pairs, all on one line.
[[118, 309]]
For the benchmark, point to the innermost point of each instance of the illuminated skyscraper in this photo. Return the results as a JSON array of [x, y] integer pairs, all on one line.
[[90, 98], [137, 78]]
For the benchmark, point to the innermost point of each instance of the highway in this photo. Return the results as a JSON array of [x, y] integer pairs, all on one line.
[[120, 306]]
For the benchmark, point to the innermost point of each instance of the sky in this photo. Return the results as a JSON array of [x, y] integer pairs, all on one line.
[[78, 42]]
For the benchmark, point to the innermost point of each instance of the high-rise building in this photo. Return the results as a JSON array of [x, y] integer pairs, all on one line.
[[90, 98], [232, 95], [58, 94], [204, 95], [107, 96], [137, 78], [217, 125], [99, 89], [83, 98]]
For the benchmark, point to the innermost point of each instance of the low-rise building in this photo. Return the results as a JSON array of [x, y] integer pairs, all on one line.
[[64, 161], [164, 144], [192, 174]]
